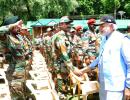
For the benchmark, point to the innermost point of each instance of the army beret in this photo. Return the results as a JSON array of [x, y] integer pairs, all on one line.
[[10, 20], [91, 21]]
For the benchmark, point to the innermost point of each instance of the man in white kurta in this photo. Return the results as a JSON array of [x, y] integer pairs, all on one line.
[[113, 62]]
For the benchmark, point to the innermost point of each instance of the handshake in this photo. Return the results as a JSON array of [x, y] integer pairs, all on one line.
[[80, 72]]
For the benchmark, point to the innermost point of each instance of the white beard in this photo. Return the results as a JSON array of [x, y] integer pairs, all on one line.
[[106, 31]]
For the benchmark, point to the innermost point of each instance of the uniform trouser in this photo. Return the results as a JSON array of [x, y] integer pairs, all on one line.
[[20, 65], [10, 71], [62, 75], [109, 95], [16, 84], [15, 67]]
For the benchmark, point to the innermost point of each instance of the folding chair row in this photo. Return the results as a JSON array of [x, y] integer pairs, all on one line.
[[41, 85]]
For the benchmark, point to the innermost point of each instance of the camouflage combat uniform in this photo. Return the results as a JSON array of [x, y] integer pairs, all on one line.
[[91, 39], [47, 44], [62, 61]]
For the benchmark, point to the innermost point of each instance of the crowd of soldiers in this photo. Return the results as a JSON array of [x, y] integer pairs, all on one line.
[[69, 49], [66, 48]]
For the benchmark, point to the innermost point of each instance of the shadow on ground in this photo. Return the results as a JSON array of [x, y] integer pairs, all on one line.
[[90, 97]]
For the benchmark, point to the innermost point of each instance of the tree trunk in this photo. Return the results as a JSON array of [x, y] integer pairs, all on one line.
[[30, 17]]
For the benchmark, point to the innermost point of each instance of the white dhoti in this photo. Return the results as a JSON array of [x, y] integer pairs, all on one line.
[[109, 95]]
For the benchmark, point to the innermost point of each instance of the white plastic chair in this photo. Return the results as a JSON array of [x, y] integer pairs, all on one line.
[[87, 87]]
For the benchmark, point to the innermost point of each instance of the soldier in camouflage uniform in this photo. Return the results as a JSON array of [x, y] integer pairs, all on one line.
[[25, 39], [15, 53], [91, 42], [78, 47], [60, 44], [91, 39], [3, 30], [26, 44], [47, 44]]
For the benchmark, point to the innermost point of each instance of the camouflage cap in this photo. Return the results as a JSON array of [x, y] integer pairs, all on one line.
[[65, 19]]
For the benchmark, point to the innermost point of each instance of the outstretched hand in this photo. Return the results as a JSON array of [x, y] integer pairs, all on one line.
[[86, 69], [77, 72]]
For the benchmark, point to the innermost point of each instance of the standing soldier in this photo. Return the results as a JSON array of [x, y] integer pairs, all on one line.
[[14, 51], [47, 43], [92, 39], [78, 51], [26, 43], [3, 31], [91, 42], [61, 51]]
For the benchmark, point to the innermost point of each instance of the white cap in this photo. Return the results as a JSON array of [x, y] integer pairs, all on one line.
[[49, 29]]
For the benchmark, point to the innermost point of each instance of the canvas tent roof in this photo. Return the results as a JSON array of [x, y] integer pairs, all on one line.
[[121, 24], [45, 22]]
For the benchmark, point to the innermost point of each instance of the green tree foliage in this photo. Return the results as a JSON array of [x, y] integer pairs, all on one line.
[[13, 7], [3, 10], [89, 7], [127, 8], [110, 6], [36, 9], [54, 8]]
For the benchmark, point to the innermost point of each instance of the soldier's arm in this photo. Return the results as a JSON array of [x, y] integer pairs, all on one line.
[[4, 29], [66, 58], [91, 66], [63, 49]]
